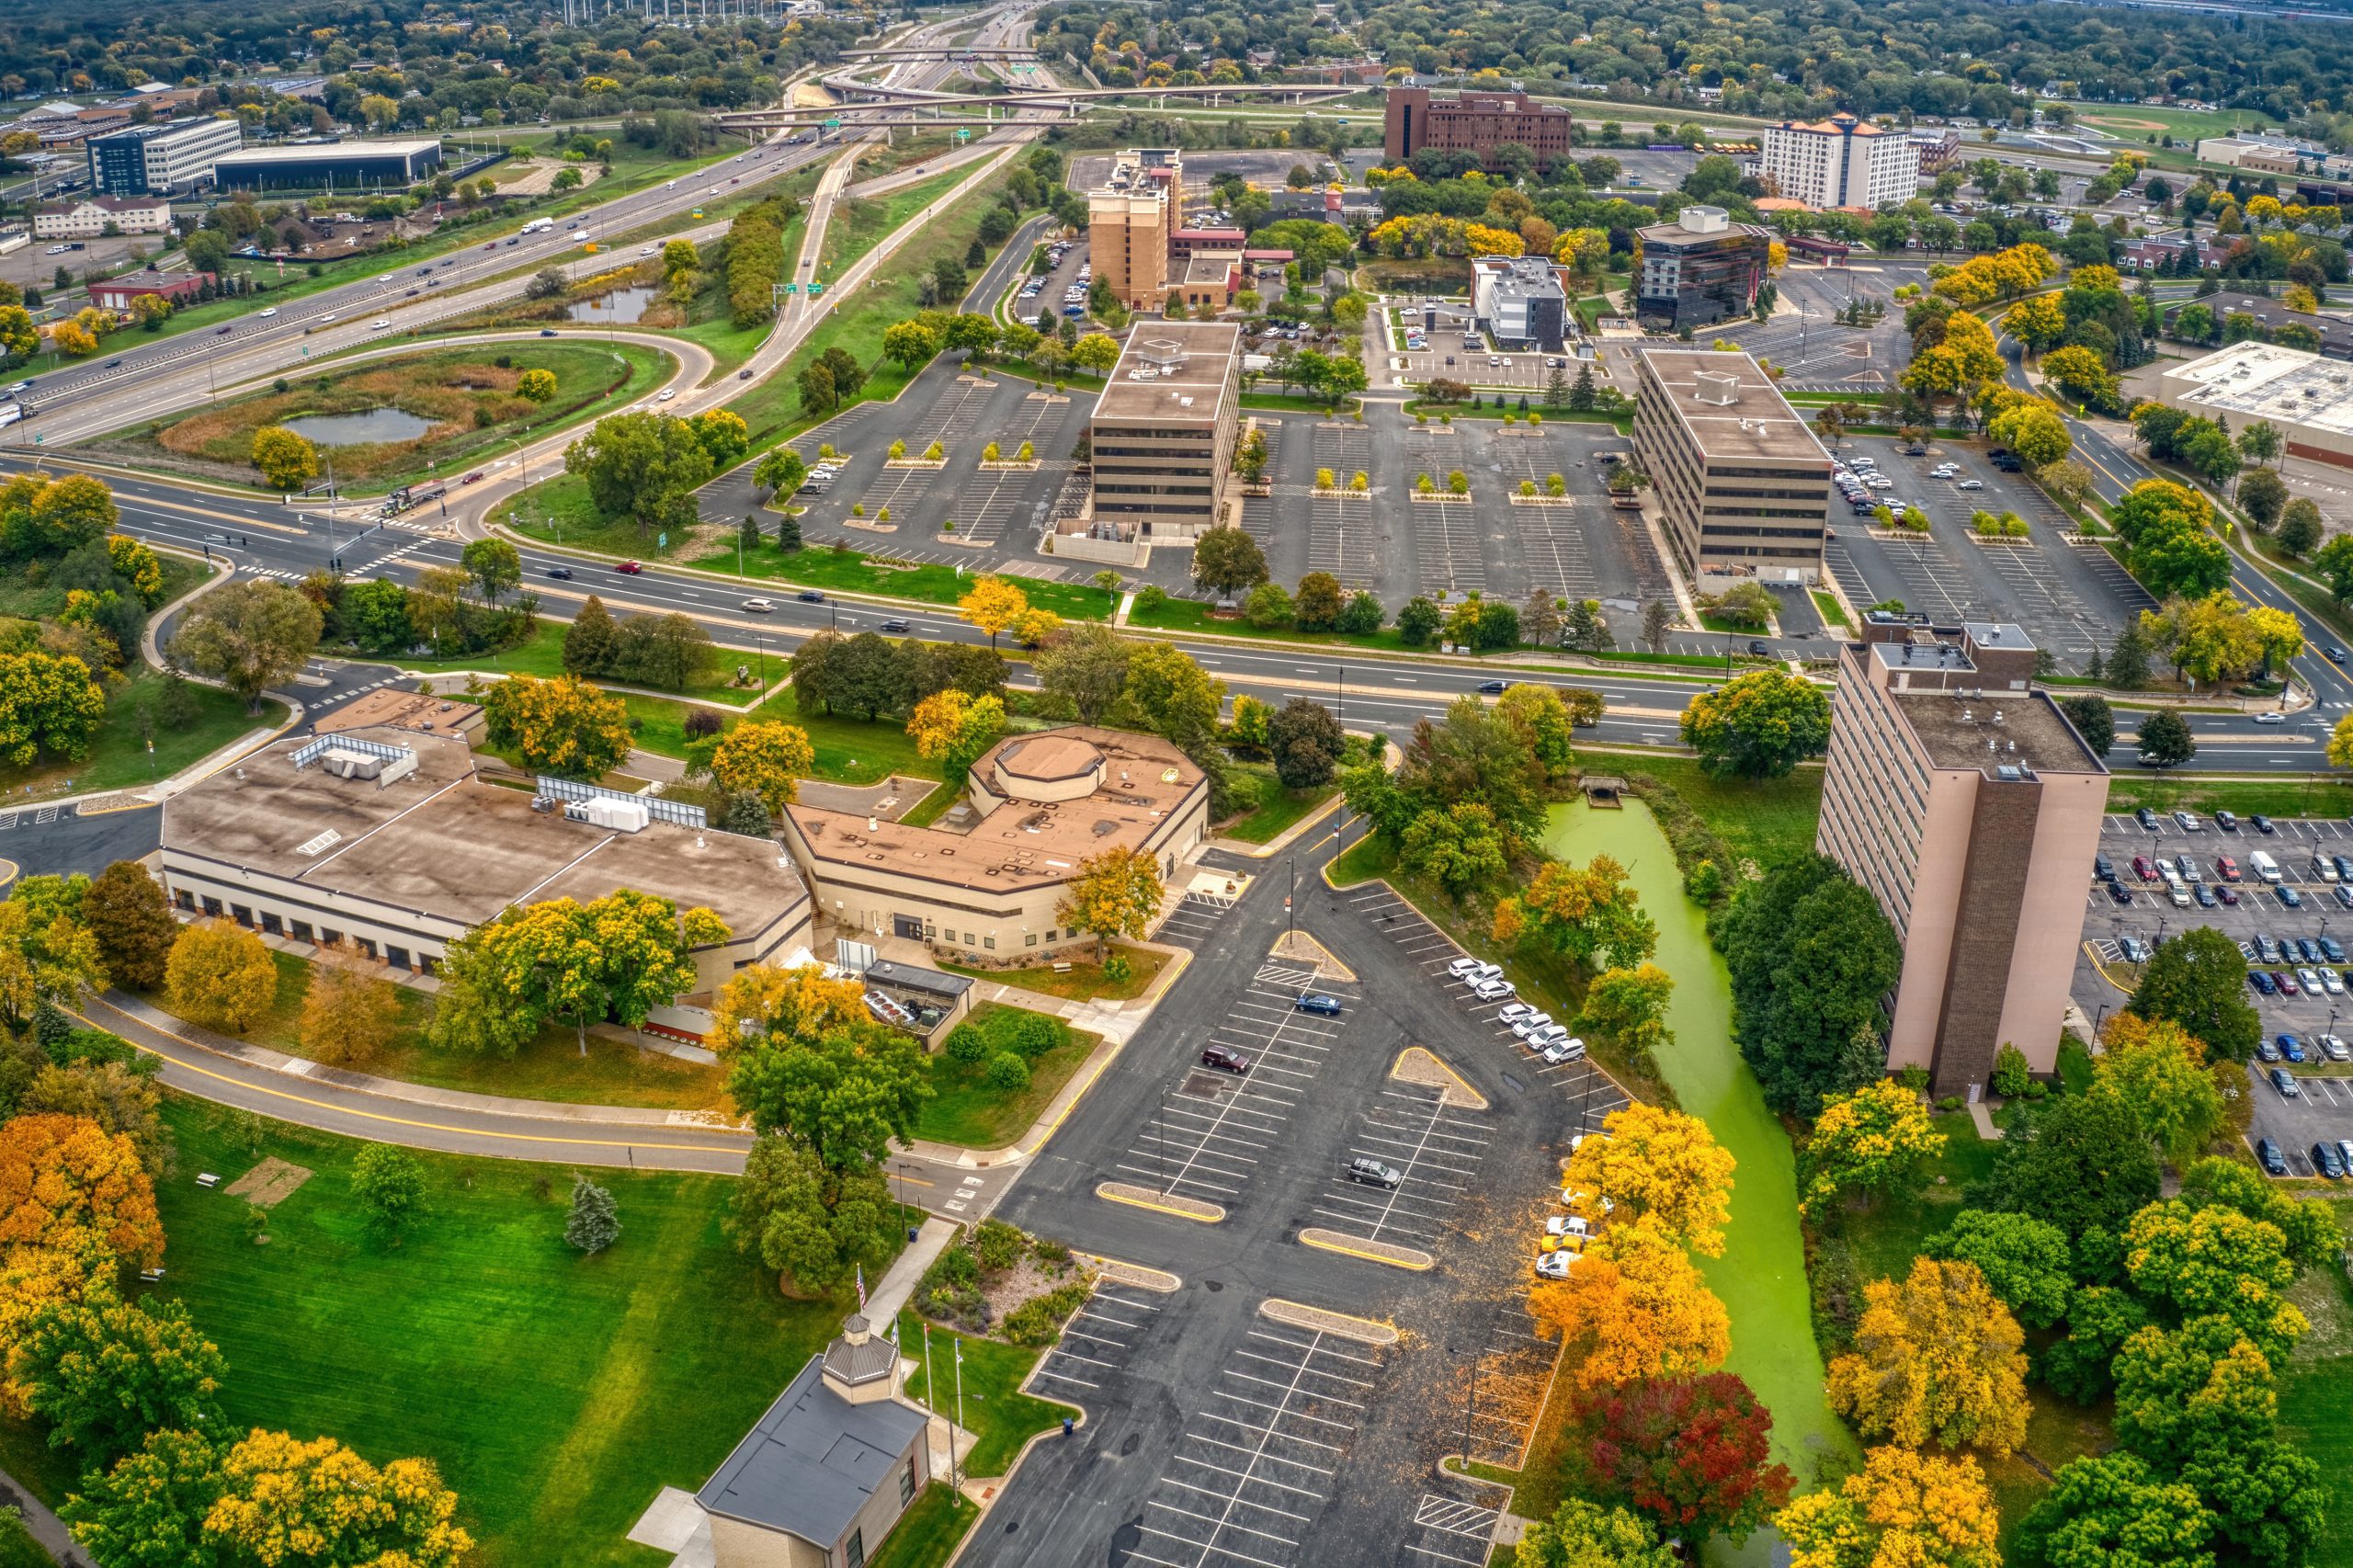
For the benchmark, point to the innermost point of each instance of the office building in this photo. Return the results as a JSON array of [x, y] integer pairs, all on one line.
[[1741, 483], [1130, 221], [331, 165], [88, 219], [1163, 430], [1473, 122], [985, 888], [160, 160], [1521, 301], [2308, 398], [1962, 798], [1699, 269], [121, 293], [388, 841], [1839, 161]]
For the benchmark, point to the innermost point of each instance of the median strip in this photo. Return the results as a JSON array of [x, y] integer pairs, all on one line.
[[1417, 1064], [1298, 1314], [1165, 1202], [1133, 1274], [1390, 1253]]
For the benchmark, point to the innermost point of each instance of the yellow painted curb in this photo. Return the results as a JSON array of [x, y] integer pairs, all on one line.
[[8, 870], [128, 804], [1299, 1315], [1193, 1208], [1372, 1251], [1419, 1065], [2092, 953], [1311, 951], [1140, 1276]]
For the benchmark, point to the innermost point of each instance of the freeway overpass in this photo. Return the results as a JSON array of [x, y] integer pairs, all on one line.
[[864, 94]]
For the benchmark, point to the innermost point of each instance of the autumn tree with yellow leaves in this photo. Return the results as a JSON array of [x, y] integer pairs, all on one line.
[[782, 1005], [562, 726], [1902, 1509], [1633, 1306], [64, 1180], [1115, 893], [953, 727], [1662, 1170], [1877, 1138], [767, 759], [220, 975], [991, 606], [1936, 1360]]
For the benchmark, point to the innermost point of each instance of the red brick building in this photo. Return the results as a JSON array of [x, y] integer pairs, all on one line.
[[1473, 122], [115, 293]]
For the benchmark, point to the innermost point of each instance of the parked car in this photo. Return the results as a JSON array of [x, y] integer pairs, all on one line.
[[2293, 899], [2118, 893], [1463, 969], [1569, 1050], [2227, 821], [1224, 1060], [2148, 818], [1513, 1012], [2263, 984], [2229, 895], [2285, 982], [2328, 1162], [1530, 1024], [2263, 825], [2334, 1047], [2226, 869], [1494, 989], [2285, 1082], [2191, 822], [1316, 1002], [1554, 1265], [1372, 1173], [2268, 1154]]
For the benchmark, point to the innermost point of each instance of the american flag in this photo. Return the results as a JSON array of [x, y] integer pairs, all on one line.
[[860, 1270]]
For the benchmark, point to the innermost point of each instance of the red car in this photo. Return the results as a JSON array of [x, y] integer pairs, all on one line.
[[473, 478], [1225, 1061], [2227, 867], [628, 568]]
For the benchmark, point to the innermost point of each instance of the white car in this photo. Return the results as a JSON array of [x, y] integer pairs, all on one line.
[[668, 393], [1555, 1265], [759, 607], [1543, 1039], [1567, 1225], [1560, 1051], [1573, 1198], [1531, 1022], [1970, 484], [1513, 1012], [646, 251], [378, 324], [1470, 969], [2332, 983], [2334, 1047], [269, 313], [327, 320], [1493, 990], [2274, 717], [2308, 979]]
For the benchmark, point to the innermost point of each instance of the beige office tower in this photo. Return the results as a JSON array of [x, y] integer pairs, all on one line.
[[1962, 798], [1128, 221]]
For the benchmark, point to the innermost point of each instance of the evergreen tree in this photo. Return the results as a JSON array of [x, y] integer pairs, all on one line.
[[1581, 396], [788, 533], [975, 257], [591, 641], [594, 1222], [750, 533], [1556, 388], [2127, 663]]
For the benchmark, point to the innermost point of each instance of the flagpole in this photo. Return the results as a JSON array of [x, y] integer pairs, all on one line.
[[952, 1473]]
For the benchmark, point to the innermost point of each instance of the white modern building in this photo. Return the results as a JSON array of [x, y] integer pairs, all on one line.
[[2307, 397], [88, 218], [1839, 161], [161, 160]]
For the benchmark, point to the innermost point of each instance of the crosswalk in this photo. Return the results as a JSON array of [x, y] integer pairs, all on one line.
[[389, 556]]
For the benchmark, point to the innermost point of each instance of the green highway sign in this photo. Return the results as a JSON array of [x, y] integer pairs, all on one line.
[[833, 125], [816, 287]]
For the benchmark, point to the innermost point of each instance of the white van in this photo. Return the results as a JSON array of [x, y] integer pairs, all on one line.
[[2265, 868]]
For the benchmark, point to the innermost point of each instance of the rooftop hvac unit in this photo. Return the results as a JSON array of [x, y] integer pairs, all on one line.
[[1711, 386], [619, 815], [352, 764]]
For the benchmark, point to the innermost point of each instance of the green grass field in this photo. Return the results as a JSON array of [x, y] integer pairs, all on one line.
[[927, 1534], [1084, 981], [855, 572], [998, 1414], [557, 1392], [543, 655], [965, 1111], [1278, 810], [852, 751], [860, 224], [1770, 822], [2290, 796], [119, 758]]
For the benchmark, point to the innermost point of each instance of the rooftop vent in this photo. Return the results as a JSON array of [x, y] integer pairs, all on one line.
[[1714, 387]]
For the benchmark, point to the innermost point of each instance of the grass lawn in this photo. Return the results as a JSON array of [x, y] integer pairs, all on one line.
[[548, 1067], [1832, 614], [119, 757], [927, 1534], [857, 572], [558, 510], [1085, 983], [557, 1392], [931, 809], [859, 223], [543, 655], [965, 1111], [998, 1414], [1770, 822], [17, 1547], [2289, 796], [1277, 808], [852, 751]]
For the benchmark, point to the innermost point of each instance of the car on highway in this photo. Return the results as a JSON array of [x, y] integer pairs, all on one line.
[[759, 607], [223, 331], [1224, 1060], [896, 628], [21, 386], [269, 313], [546, 332], [2336, 655], [811, 596], [561, 574], [1494, 688], [628, 568], [2274, 717], [379, 323], [473, 478], [2268, 1154]]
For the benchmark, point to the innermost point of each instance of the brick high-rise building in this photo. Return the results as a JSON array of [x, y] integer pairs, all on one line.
[[1473, 122], [1129, 222], [1968, 806]]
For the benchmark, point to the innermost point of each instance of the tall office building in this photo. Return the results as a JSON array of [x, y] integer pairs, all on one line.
[[1164, 430], [1840, 162], [1473, 122], [1741, 485], [1129, 221], [160, 160], [1962, 798], [1699, 269]]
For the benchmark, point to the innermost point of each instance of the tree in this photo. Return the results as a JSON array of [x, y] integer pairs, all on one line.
[[1084, 670], [103, 1373], [1419, 621], [390, 1185], [767, 759], [1317, 607], [131, 920], [494, 566], [1267, 606], [780, 473], [2198, 979], [48, 704], [150, 1509], [2034, 432], [1877, 1140], [1693, 1452], [2026, 1262], [1459, 847], [910, 342], [1664, 1171], [2166, 740], [1632, 1307], [2204, 1385], [1306, 743], [844, 1095], [594, 1222], [1114, 893], [285, 1502], [1626, 1009], [991, 606], [2263, 496], [47, 956], [249, 636], [1545, 724], [1811, 954], [64, 1177], [1759, 725], [350, 1015], [2036, 322], [1174, 696], [2093, 718], [1584, 1535], [954, 729], [808, 1224], [2113, 1511], [1096, 352], [617, 957], [538, 386], [1902, 1507], [2216, 1261], [2160, 1073], [637, 464], [287, 461], [2312, 1234], [563, 726], [220, 975], [2086, 1168], [591, 641], [2300, 532], [1591, 915], [1228, 561]]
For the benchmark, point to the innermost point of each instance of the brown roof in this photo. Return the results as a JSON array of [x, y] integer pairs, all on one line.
[[1051, 756], [402, 709]]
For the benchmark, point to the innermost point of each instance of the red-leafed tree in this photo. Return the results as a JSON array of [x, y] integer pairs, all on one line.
[[1690, 1452]]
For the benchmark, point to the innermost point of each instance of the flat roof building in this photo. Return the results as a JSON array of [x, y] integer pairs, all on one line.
[[1743, 485], [1699, 269], [983, 889], [1163, 430], [160, 160], [89, 217], [1130, 221], [1839, 161], [1968, 806], [2336, 334], [388, 839], [2307, 397], [1473, 122], [118, 293], [331, 165], [1521, 301]]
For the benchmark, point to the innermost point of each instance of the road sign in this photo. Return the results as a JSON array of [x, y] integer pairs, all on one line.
[[662, 539], [816, 287], [833, 124]]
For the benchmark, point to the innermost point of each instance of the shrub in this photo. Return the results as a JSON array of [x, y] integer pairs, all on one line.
[[1118, 970], [997, 1245], [954, 1269], [1151, 596], [967, 1044], [1951, 1102], [2010, 1074], [1008, 1073], [1019, 1030], [1040, 1318], [1915, 1077]]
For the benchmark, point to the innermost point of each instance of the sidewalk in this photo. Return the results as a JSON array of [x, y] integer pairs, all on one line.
[[42, 1524]]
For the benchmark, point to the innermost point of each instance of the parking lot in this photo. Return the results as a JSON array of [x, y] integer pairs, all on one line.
[[2069, 598], [1047, 300], [2303, 907], [1806, 342]]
